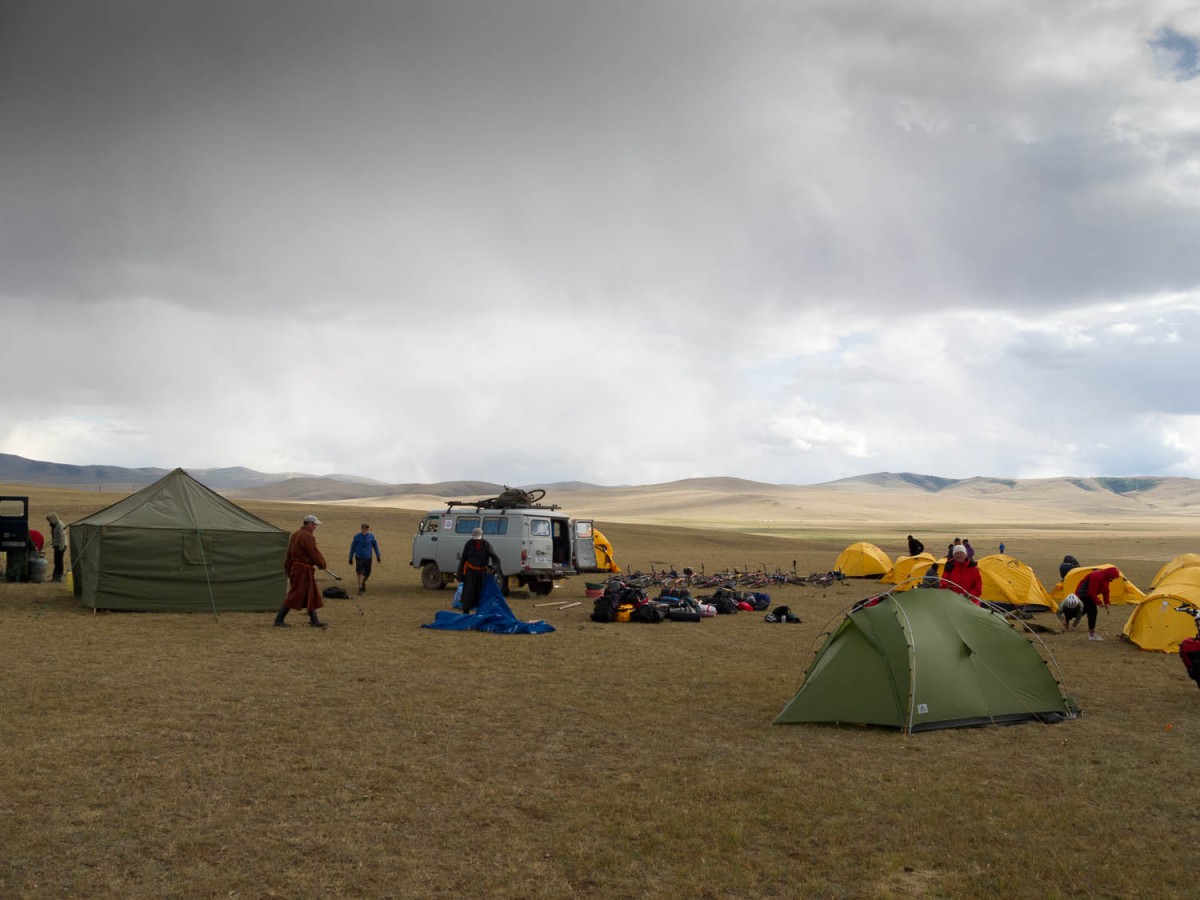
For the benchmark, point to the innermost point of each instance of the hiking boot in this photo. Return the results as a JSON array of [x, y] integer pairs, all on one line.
[[283, 624], [361, 591], [1095, 637], [317, 623]]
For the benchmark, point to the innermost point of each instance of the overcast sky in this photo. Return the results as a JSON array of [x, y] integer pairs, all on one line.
[[616, 242]]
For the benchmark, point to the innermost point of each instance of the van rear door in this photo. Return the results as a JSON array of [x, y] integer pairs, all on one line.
[[584, 545]]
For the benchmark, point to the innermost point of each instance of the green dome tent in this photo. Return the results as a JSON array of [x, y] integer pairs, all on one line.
[[927, 659], [177, 546]]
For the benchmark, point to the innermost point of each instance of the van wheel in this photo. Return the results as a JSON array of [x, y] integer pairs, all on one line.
[[543, 588], [431, 577]]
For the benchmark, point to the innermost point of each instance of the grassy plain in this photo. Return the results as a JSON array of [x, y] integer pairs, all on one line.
[[156, 755]]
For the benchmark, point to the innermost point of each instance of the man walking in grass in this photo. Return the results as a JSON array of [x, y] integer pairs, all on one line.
[[302, 556], [361, 549]]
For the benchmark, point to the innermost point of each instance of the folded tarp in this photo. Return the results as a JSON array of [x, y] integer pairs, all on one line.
[[492, 615]]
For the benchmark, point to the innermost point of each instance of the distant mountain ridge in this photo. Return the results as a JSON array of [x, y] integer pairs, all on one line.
[[1151, 492]]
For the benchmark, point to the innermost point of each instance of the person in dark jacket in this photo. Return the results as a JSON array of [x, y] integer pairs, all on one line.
[[1068, 563], [1093, 587], [915, 546], [472, 569]]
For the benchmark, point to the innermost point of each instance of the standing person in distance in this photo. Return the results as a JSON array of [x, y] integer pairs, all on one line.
[[58, 542], [361, 549], [302, 556], [472, 569], [1094, 587], [915, 546], [970, 550], [962, 576]]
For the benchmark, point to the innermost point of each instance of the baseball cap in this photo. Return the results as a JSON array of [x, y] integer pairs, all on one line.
[[311, 518]]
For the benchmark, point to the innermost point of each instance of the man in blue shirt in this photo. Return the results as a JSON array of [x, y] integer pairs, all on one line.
[[361, 550]]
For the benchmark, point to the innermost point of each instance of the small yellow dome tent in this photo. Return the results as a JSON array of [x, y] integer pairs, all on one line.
[[604, 552], [1156, 624], [910, 567], [862, 560], [1182, 561], [1010, 584], [1121, 591]]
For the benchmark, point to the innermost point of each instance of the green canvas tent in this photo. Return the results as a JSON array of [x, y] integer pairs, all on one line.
[[926, 659], [177, 546]]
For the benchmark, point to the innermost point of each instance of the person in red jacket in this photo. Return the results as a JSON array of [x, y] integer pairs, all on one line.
[[1094, 587], [962, 575]]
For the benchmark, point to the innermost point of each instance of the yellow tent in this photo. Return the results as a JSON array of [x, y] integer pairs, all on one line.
[[1155, 624], [862, 560], [604, 552], [1011, 584], [1122, 590], [910, 567], [1182, 561]]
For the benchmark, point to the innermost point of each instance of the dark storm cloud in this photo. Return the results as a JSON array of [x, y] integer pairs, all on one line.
[[762, 220]]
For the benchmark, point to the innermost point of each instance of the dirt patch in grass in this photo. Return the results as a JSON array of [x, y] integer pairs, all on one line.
[[157, 755]]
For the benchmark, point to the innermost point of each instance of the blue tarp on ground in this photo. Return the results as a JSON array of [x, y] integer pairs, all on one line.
[[491, 615]]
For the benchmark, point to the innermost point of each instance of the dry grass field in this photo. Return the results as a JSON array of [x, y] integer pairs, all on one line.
[[157, 755]]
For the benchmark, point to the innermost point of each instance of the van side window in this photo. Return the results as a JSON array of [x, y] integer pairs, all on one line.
[[583, 530], [539, 527], [495, 525], [466, 524], [429, 525]]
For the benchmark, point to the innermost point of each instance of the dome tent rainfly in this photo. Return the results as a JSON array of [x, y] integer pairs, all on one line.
[[862, 560], [1157, 624], [1011, 584], [909, 570], [177, 546], [923, 660], [1182, 561]]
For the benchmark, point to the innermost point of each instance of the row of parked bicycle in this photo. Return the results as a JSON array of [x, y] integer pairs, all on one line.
[[733, 578]]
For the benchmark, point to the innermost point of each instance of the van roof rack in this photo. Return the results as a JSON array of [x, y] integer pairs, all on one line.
[[509, 498]]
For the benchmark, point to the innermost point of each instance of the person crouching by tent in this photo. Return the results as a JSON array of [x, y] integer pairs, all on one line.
[[361, 549], [1069, 562], [302, 555], [472, 566], [1070, 612], [962, 576], [915, 547], [1093, 587]]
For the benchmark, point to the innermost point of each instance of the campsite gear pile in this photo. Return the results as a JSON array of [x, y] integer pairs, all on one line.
[[624, 602], [781, 614]]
